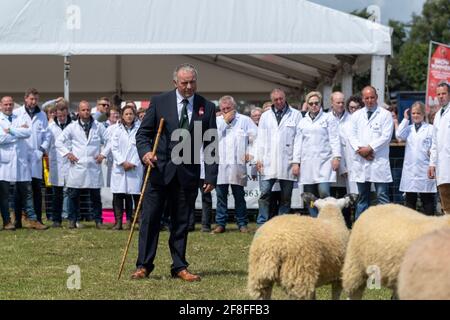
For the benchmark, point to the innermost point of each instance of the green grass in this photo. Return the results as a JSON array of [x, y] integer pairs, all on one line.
[[33, 265]]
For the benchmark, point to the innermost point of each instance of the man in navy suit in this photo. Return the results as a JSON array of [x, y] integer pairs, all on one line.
[[175, 174]]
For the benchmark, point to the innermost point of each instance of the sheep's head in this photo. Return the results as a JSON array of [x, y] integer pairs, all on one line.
[[311, 200]]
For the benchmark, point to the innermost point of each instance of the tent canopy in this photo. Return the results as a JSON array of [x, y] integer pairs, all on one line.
[[290, 43]]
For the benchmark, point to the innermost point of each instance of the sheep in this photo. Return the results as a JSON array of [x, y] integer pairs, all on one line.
[[378, 242], [300, 253], [425, 269]]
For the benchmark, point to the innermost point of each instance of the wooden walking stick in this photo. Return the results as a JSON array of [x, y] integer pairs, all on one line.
[[144, 186]]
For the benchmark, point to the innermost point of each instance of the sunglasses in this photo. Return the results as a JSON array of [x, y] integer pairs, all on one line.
[[314, 103]]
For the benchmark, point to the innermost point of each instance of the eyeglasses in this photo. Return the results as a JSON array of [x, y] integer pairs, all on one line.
[[103, 104], [314, 103]]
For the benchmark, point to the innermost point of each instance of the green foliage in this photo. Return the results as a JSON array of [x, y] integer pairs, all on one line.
[[412, 64]]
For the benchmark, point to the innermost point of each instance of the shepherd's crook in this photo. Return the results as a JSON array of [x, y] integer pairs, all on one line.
[[144, 186]]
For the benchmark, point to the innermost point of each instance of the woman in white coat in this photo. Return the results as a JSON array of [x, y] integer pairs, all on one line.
[[318, 148], [127, 171], [418, 137]]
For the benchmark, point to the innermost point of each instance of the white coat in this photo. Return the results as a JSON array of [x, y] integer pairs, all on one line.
[[275, 144], [235, 140], [375, 132], [417, 157], [15, 152], [348, 154], [107, 152], [86, 173], [123, 148], [58, 165], [317, 143], [440, 148], [40, 137]]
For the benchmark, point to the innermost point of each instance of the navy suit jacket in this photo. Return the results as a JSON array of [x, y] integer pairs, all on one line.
[[165, 106]]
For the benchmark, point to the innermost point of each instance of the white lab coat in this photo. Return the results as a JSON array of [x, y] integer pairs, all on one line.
[[58, 165], [15, 152], [417, 157], [317, 143], [235, 141], [123, 148], [440, 148], [107, 152], [348, 154], [375, 132], [40, 137], [275, 144], [86, 173]]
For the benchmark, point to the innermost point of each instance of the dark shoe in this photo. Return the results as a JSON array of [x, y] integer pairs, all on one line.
[[218, 229], [117, 226], [36, 225], [127, 225], [140, 273], [244, 229], [191, 229], [9, 226], [206, 229], [72, 225], [164, 228], [56, 224], [18, 225], [186, 276]]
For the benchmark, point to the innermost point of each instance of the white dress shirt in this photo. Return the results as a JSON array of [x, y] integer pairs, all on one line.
[[190, 106]]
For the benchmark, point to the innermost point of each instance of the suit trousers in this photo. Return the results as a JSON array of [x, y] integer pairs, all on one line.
[[182, 200]]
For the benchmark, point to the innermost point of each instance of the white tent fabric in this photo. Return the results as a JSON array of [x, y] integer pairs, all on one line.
[[86, 27]]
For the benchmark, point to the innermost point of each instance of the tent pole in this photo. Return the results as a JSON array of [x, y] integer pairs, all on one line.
[[66, 78]]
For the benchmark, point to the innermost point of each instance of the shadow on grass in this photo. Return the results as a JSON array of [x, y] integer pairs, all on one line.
[[239, 273]]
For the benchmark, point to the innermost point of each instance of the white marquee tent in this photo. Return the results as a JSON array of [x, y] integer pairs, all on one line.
[[242, 47]]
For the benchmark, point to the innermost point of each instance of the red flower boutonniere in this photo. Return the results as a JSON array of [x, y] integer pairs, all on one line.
[[201, 111]]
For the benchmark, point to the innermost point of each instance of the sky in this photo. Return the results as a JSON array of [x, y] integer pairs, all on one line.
[[401, 10]]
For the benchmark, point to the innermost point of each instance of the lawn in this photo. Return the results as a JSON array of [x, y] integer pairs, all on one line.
[[34, 264]]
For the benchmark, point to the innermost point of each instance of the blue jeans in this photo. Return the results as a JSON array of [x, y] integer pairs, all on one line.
[[239, 205], [265, 187], [24, 200], [74, 204], [321, 190], [363, 203]]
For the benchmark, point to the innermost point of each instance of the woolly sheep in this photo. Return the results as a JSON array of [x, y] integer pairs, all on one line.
[[378, 242], [299, 253], [425, 270]]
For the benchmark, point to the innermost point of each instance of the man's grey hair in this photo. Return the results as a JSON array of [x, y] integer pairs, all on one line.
[[184, 67], [256, 109], [226, 99], [277, 90]]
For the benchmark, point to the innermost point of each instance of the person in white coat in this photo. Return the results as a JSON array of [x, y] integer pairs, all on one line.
[[15, 165], [127, 171], [237, 133], [39, 142], [372, 128], [274, 153], [418, 137], [59, 165], [317, 149], [440, 150], [81, 144]]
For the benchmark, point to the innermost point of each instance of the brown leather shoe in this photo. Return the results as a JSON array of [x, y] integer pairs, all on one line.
[[187, 276], [218, 229], [9, 226], [37, 225], [140, 273]]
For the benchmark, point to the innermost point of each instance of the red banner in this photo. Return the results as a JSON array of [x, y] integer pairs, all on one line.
[[438, 71]]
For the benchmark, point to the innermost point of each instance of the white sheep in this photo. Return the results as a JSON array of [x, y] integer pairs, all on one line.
[[378, 242], [425, 270], [299, 253]]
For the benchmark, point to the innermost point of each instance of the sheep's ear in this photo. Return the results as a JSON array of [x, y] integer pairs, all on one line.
[[319, 203], [343, 203], [353, 197], [308, 198]]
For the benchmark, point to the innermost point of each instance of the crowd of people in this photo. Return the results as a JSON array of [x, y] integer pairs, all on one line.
[[328, 153]]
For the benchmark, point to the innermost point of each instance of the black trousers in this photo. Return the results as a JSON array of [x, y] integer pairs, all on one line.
[[340, 192], [181, 201], [428, 202], [118, 203], [58, 199]]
